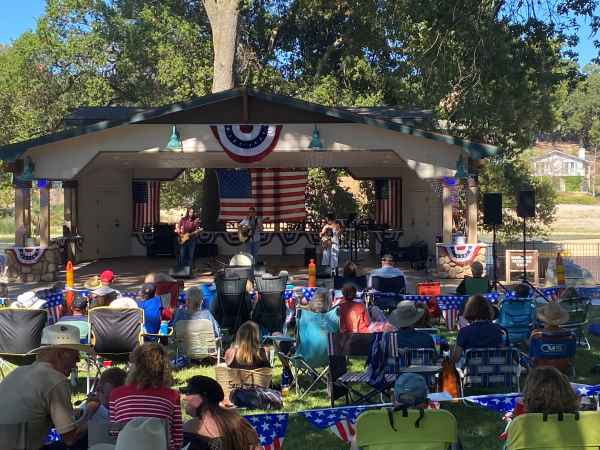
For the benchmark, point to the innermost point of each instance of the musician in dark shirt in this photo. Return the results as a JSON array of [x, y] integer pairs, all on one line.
[[185, 229]]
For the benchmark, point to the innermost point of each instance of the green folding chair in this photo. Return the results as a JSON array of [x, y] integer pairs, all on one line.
[[555, 431], [578, 309], [411, 429]]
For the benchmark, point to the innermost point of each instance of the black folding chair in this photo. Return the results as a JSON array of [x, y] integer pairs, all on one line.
[[387, 292], [232, 306], [20, 332], [269, 312], [116, 332]]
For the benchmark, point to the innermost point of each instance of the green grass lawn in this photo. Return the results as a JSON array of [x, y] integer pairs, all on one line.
[[478, 427]]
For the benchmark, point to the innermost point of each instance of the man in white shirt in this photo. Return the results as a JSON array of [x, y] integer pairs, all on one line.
[[387, 270], [254, 226]]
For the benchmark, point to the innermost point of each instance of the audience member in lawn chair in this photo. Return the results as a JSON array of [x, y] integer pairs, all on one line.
[[313, 325], [409, 424], [552, 345], [196, 308], [404, 318], [247, 352], [354, 317], [517, 314], [547, 393], [78, 318], [477, 284], [481, 331]]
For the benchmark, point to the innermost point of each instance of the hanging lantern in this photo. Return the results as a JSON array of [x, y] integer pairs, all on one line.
[[174, 144], [315, 142]]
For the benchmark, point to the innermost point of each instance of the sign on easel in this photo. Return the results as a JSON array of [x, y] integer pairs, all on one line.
[[514, 265]]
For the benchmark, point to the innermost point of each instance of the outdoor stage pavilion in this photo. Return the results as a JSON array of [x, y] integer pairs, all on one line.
[[98, 158]]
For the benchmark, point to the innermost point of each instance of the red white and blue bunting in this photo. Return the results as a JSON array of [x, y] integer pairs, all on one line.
[[28, 256], [247, 143], [461, 255]]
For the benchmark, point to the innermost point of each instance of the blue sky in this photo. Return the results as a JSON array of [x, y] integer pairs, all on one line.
[[20, 15]]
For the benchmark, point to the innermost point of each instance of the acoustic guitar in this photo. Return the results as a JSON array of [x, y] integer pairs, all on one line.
[[184, 237]]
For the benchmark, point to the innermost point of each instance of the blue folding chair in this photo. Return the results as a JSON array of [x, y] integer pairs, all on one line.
[[516, 317], [554, 348]]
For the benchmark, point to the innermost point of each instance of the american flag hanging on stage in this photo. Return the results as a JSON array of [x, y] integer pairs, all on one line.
[[388, 202], [277, 194], [146, 203], [270, 429]]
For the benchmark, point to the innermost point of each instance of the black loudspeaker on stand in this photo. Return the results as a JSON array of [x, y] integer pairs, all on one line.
[[492, 215]]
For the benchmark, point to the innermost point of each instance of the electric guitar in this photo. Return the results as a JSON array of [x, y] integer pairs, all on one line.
[[184, 237]]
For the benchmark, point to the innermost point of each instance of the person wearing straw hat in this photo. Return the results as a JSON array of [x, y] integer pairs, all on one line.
[[404, 318], [552, 316], [141, 433], [38, 396]]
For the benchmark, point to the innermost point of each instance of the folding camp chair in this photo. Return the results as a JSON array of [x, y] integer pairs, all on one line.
[[20, 332], [311, 357], [516, 317], [554, 431], [196, 340], [410, 429], [491, 367], [386, 292], [232, 306], [578, 309], [477, 286], [116, 332], [556, 349], [360, 283], [341, 347], [269, 311]]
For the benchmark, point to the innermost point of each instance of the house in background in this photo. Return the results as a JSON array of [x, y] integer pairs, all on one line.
[[565, 164]]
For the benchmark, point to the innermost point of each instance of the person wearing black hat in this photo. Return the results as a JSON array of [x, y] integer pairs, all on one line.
[[213, 426]]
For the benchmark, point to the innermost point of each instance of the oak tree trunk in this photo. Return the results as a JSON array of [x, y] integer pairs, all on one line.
[[223, 16]]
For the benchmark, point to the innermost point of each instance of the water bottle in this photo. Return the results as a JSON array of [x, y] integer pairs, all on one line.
[[164, 328], [285, 382]]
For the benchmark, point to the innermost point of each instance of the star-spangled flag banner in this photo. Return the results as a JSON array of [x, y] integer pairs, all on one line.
[[501, 403], [270, 429], [54, 305], [341, 421]]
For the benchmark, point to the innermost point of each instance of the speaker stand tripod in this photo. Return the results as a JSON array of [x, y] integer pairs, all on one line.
[[495, 282], [524, 279]]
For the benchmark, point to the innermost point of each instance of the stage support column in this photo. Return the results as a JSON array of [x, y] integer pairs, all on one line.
[[70, 196], [21, 196], [447, 220], [472, 209], [45, 216]]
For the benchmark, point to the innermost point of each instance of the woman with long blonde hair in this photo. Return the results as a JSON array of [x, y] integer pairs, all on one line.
[[147, 392], [247, 353]]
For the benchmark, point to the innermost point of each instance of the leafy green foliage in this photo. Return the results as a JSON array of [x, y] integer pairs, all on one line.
[[573, 184], [509, 176], [185, 190], [325, 196]]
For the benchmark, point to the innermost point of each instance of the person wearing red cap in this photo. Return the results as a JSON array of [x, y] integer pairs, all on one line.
[[107, 277]]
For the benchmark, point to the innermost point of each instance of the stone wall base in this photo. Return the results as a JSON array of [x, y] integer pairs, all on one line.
[[45, 270]]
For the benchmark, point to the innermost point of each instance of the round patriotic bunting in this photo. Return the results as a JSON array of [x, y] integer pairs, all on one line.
[[247, 143], [28, 256]]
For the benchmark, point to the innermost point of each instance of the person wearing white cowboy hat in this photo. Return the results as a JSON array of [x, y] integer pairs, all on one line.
[[552, 315], [404, 317], [28, 300], [141, 433], [38, 396]]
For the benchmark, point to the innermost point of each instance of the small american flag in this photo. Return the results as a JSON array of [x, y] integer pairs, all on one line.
[[501, 403], [54, 305], [278, 194], [146, 203], [341, 421], [388, 202], [270, 429]]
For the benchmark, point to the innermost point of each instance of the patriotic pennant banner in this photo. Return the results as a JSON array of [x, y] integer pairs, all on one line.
[[340, 421], [247, 143], [461, 255], [270, 429], [28, 256]]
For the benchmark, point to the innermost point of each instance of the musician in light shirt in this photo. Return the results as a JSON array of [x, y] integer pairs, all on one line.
[[187, 224], [252, 225]]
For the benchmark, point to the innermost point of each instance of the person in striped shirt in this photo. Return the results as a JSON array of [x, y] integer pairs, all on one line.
[[147, 392]]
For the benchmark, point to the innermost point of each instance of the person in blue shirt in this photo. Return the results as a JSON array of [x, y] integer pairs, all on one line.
[[387, 270], [404, 318], [152, 306], [481, 331]]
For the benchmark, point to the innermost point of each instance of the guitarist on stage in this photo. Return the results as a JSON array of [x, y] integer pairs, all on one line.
[[250, 229], [186, 229]]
